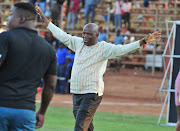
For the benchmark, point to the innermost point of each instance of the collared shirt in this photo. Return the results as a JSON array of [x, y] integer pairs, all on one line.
[[90, 61]]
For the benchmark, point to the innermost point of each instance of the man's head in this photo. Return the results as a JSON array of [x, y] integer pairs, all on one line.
[[90, 34], [1, 21], [118, 32], [22, 15]]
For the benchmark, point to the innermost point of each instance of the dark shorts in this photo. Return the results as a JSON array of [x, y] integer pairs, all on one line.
[[84, 108]]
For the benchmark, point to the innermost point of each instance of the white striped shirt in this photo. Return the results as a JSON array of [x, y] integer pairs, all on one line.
[[90, 61]]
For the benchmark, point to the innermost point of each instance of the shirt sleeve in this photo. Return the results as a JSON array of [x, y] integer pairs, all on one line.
[[52, 69], [72, 42], [4, 44], [111, 51]]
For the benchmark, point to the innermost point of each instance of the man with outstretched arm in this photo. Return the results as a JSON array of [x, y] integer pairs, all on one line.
[[90, 63]]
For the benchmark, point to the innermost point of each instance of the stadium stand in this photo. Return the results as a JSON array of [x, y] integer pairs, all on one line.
[[142, 21]]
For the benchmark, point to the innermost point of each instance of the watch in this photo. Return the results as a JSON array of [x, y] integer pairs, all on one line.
[[144, 41]]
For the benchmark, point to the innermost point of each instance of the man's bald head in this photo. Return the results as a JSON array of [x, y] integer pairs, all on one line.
[[90, 34], [92, 26]]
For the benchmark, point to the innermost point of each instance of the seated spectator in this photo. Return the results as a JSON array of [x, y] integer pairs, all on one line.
[[102, 34]]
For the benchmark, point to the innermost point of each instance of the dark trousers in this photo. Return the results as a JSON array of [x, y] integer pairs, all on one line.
[[127, 19], [84, 108]]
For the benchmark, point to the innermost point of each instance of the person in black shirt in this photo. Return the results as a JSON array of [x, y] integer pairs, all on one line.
[[25, 58]]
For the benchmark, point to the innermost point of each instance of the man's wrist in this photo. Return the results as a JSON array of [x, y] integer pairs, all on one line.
[[144, 41]]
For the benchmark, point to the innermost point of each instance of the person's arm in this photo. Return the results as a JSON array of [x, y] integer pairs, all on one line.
[[71, 42], [49, 85], [113, 51], [47, 94]]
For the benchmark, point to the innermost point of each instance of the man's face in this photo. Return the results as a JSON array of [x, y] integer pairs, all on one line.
[[89, 36], [13, 19]]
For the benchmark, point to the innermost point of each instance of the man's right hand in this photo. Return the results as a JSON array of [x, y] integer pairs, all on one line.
[[39, 120], [41, 14]]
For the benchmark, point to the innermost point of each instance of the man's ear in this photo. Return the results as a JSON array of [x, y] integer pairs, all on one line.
[[22, 19]]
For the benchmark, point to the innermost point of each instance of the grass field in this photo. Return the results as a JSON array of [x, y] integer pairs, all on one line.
[[61, 119]]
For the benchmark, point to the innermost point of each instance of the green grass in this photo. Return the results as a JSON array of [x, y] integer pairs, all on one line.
[[61, 119]]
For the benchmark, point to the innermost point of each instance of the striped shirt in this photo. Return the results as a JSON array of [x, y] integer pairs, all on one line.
[[90, 61]]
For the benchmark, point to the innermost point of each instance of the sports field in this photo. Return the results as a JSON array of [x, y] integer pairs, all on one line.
[[130, 103], [61, 119]]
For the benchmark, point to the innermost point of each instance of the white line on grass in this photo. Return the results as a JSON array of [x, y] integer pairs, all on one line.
[[108, 103]]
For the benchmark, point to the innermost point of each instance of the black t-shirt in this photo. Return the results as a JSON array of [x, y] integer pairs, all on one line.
[[25, 58]]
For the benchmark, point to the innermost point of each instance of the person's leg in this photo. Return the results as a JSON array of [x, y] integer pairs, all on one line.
[[128, 20], [17, 119], [23, 120], [4, 118], [115, 65], [119, 21], [84, 116], [125, 19], [76, 103], [57, 90], [115, 21], [118, 64], [86, 13], [73, 20], [68, 20], [92, 7]]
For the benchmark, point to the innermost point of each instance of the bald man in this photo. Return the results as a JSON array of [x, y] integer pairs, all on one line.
[[90, 63]]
